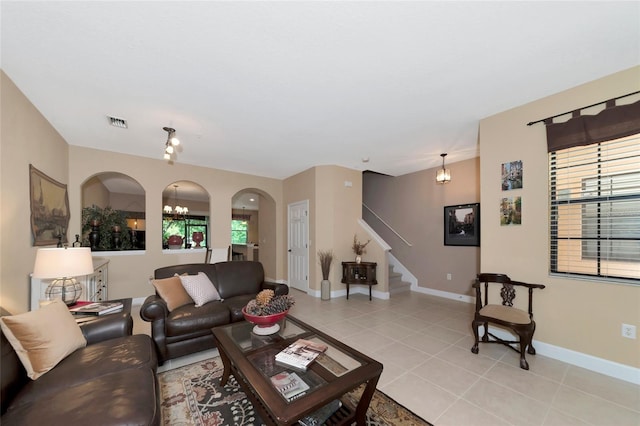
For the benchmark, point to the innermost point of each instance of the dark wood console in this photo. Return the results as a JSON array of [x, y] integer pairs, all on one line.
[[363, 273]]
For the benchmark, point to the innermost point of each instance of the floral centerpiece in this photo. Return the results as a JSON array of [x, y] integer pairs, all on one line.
[[266, 310], [358, 248]]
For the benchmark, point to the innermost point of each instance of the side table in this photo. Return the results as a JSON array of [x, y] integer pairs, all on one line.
[[363, 273]]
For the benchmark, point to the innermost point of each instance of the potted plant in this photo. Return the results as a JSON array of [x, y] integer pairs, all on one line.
[[358, 248], [326, 259]]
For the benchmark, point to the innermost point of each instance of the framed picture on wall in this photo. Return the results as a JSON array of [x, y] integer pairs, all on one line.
[[49, 209], [462, 225], [511, 175]]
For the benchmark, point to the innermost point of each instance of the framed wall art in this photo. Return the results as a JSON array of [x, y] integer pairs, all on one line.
[[462, 225], [511, 211], [511, 175], [49, 209]]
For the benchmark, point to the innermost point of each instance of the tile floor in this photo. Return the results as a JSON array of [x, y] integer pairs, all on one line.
[[424, 341]]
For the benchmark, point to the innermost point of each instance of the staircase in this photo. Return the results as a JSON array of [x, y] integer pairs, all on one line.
[[396, 285]]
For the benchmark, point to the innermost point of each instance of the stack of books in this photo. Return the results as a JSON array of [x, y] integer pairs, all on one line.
[[300, 354], [97, 308]]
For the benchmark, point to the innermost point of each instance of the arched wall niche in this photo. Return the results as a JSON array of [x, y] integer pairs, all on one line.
[[113, 208], [180, 226], [259, 208]]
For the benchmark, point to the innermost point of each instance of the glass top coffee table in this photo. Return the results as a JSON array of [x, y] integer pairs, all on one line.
[[340, 369]]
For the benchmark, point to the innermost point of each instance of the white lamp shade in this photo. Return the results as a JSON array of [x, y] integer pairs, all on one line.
[[63, 262]]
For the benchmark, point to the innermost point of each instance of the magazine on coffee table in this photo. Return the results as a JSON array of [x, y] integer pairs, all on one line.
[[290, 385], [300, 353], [97, 308]]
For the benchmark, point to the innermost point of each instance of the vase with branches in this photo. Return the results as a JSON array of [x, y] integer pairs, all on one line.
[[326, 259], [358, 248]]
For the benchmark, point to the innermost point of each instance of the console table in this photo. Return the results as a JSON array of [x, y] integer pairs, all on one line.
[[363, 273]]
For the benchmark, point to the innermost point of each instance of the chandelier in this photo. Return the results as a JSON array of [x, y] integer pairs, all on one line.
[[176, 210], [172, 142]]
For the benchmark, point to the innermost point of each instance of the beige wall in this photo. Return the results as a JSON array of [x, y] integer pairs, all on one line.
[[297, 188], [25, 138], [338, 208], [334, 210], [580, 315], [128, 273], [413, 205]]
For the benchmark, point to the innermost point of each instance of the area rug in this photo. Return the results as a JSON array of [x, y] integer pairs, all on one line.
[[192, 395]]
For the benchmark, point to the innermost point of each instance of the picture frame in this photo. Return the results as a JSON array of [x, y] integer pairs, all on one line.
[[49, 201], [462, 225]]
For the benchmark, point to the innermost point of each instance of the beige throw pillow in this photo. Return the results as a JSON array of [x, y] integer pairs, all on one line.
[[200, 288], [172, 292], [44, 337]]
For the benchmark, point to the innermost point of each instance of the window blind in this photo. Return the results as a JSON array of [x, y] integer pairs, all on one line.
[[595, 210]]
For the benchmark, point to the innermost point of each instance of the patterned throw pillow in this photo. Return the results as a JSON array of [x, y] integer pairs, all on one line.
[[200, 288]]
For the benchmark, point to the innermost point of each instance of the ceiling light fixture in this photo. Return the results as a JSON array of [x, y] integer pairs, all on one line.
[[177, 210], [443, 175], [172, 142]]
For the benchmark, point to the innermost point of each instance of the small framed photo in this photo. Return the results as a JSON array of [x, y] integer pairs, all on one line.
[[462, 225], [511, 175]]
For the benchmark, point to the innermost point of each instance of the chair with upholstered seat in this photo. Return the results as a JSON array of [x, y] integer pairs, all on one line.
[[505, 314]]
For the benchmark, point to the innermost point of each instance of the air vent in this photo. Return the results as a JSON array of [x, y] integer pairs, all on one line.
[[117, 122]]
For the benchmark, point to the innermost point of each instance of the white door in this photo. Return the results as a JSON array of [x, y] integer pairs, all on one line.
[[299, 245]]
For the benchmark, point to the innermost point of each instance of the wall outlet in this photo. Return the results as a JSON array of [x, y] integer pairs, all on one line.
[[629, 331], [448, 277]]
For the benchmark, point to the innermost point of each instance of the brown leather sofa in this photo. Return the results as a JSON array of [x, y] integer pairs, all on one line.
[[187, 329], [111, 381]]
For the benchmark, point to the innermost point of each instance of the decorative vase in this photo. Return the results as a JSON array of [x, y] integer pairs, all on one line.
[[358, 258], [117, 240], [325, 289], [94, 235], [175, 242], [197, 237], [265, 324]]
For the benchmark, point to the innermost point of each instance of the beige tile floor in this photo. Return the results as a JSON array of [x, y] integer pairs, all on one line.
[[424, 341]]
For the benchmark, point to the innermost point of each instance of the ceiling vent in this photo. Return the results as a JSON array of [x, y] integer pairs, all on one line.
[[117, 122]]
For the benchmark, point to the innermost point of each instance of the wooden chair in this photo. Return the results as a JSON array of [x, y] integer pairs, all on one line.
[[505, 315]]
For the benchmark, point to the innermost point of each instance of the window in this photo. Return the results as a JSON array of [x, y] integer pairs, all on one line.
[[239, 231], [595, 209], [185, 227]]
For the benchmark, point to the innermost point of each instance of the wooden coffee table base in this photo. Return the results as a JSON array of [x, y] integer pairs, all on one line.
[[271, 407]]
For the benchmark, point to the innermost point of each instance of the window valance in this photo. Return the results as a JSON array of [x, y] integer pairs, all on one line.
[[613, 122]]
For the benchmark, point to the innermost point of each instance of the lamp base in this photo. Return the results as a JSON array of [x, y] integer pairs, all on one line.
[[67, 289]]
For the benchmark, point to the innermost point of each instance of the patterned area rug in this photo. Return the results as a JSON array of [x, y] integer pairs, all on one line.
[[192, 395]]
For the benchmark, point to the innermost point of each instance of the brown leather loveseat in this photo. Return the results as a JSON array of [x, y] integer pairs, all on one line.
[[110, 381], [187, 329]]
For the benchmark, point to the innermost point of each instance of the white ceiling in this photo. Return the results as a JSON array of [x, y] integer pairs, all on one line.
[[273, 88]]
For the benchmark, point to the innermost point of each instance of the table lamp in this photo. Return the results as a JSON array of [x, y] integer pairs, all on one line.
[[63, 264]]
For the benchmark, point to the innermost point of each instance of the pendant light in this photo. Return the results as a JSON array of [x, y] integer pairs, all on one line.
[[443, 175]]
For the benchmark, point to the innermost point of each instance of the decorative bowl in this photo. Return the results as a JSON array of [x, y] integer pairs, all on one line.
[[264, 324]]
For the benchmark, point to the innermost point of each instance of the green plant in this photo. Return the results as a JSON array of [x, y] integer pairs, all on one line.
[[108, 218], [326, 259]]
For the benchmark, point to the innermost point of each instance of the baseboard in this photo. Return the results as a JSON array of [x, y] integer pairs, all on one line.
[[444, 294], [579, 359]]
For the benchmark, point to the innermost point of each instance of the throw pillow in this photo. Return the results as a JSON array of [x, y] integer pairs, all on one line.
[[44, 337], [172, 292], [200, 288]]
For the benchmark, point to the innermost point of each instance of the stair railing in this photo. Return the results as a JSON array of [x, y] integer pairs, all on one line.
[[387, 225]]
